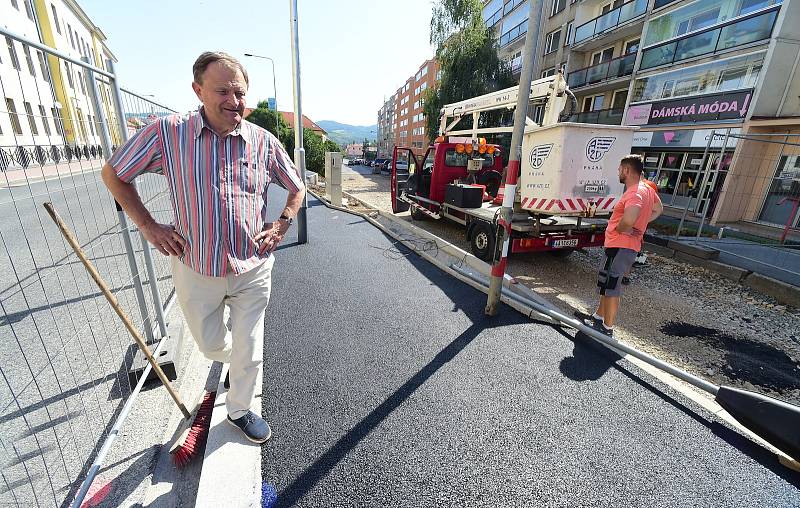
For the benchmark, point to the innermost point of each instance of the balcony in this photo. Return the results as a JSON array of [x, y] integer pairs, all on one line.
[[722, 37], [610, 20], [611, 116], [612, 69], [514, 33]]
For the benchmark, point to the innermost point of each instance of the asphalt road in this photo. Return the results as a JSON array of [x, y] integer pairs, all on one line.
[[65, 354], [386, 385], [360, 169]]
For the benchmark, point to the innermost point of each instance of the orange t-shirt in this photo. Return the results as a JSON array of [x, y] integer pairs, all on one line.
[[641, 196]]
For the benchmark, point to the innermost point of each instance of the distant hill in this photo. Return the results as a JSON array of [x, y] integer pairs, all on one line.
[[342, 133]]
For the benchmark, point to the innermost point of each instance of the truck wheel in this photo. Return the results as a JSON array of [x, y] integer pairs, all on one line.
[[482, 241]]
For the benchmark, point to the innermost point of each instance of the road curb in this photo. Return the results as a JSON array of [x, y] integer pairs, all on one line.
[[695, 395], [780, 291]]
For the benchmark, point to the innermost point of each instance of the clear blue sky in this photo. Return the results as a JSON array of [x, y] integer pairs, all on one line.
[[353, 53]]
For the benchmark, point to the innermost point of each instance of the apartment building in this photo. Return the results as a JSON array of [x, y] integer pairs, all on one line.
[[385, 129], [408, 125], [680, 70], [27, 105], [47, 100]]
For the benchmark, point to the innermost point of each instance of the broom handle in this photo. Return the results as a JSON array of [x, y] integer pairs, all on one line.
[[115, 304]]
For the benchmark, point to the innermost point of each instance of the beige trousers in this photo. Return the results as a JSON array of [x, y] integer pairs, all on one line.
[[203, 300]]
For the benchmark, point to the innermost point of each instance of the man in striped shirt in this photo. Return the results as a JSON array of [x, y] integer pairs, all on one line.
[[218, 167]]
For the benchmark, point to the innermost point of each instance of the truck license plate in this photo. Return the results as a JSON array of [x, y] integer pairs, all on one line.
[[560, 244], [594, 188]]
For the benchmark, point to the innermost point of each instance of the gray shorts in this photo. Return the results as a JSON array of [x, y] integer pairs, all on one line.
[[616, 264]]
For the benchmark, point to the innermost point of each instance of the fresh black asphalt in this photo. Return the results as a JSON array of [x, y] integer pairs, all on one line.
[[386, 385]]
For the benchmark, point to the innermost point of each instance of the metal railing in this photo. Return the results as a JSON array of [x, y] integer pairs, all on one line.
[[735, 33], [64, 370], [612, 19], [611, 69], [612, 116]]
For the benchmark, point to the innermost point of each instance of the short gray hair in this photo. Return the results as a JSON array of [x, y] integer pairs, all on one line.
[[209, 57]]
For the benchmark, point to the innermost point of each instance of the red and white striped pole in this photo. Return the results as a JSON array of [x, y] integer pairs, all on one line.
[[503, 236]]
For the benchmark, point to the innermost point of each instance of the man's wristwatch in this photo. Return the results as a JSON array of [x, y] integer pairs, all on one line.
[[288, 220]]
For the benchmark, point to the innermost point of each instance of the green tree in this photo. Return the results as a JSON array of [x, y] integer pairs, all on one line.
[[467, 54], [314, 146], [269, 119]]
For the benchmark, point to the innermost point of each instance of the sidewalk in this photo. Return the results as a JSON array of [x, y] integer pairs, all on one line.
[[386, 385], [36, 173]]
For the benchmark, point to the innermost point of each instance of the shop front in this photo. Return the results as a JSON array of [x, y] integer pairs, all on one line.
[[673, 159]]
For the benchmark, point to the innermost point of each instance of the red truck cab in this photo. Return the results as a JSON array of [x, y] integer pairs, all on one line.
[[444, 162]]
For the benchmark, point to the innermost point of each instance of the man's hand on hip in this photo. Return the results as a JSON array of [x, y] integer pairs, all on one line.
[[164, 238], [271, 236]]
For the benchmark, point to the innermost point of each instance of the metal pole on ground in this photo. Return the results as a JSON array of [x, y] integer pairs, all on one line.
[[146, 252], [299, 151], [529, 55]]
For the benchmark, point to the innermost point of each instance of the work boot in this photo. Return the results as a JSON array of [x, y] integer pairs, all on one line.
[[255, 428], [598, 325]]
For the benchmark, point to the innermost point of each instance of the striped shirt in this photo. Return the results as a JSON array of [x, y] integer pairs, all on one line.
[[218, 185]]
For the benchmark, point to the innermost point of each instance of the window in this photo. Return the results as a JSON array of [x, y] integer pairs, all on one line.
[[80, 82], [785, 184], [454, 159], [620, 96], [592, 103], [548, 72], [418, 104], [71, 37], [568, 38], [746, 31], [57, 122], [552, 41], [29, 59], [698, 15], [43, 66], [12, 52], [12, 115], [699, 21], [514, 25], [29, 10], [714, 77], [69, 75], [602, 56], [493, 12], [31, 119], [55, 19], [558, 6], [611, 6], [631, 47], [45, 123], [91, 124]]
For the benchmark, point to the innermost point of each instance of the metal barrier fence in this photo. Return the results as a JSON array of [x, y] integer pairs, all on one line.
[[753, 197], [65, 358]]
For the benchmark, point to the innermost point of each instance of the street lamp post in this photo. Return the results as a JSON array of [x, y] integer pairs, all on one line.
[[274, 88], [299, 150]]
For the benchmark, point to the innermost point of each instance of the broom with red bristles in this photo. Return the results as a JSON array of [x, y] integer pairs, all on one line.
[[196, 425]]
